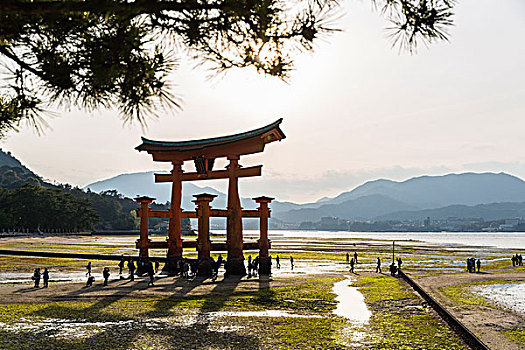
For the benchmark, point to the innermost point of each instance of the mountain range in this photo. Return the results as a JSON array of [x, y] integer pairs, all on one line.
[[461, 195], [490, 196]]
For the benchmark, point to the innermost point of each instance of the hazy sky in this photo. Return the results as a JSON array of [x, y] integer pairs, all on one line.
[[354, 110]]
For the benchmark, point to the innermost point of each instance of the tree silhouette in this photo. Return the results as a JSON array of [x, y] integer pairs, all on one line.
[[90, 54]]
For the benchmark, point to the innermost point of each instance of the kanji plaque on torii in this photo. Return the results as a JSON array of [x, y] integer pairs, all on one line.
[[203, 153]]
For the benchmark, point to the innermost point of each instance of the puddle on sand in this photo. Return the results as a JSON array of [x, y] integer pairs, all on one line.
[[66, 276], [264, 313], [65, 328], [510, 295], [351, 303], [61, 328]]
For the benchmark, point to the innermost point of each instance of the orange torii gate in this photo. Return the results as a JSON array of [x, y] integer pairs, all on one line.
[[203, 153]]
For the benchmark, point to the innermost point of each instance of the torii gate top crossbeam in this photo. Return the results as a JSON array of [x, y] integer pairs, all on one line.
[[239, 144]]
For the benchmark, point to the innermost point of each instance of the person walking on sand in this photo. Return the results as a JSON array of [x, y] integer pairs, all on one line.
[[185, 269], [90, 280], [157, 265], [215, 270], [355, 257], [393, 269], [45, 277], [105, 274], [131, 268], [291, 262], [121, 264], [478, 264], [277, 263], [249, 268], [88, 268], [151, 273], [352, 265], [378, 267], [36, 277]]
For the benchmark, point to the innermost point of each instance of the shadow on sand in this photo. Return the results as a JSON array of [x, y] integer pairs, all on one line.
[[123, 330]]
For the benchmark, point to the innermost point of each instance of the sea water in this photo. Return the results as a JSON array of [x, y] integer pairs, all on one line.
[[509, 295]]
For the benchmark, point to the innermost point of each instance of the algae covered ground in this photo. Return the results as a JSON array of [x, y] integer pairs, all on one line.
[[400, 320]]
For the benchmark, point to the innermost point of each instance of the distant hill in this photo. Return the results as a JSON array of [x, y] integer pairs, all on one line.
[[12, 177], [7, 159], [354, 209], [488, 212], [131, 185], [138, 184], [13, 174], [453, 194], [28, 202], [427, 192]]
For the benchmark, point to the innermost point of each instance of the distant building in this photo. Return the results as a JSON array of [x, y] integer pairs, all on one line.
[[509, 224], [426, 223], [333, 223]]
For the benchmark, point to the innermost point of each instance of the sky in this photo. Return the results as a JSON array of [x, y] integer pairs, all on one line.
[[354, 110]]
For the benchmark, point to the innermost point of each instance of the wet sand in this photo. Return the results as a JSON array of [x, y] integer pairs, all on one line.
[[485, 321]]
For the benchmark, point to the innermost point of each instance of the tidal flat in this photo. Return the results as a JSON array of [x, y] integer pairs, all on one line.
[[293, 309]]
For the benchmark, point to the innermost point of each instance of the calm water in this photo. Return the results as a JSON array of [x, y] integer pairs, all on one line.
[[511, 296], [350, 302], [506, 240]]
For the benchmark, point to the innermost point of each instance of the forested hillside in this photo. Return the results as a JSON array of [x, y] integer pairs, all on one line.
[[27, 203], [39, 208]]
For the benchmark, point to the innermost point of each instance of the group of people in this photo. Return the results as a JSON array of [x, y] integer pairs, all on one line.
[[393, 268], [37, 275], [216, 264], [187, 268], [517, 260], [253, 266], [148, 267], [352, 261], [472, 263]]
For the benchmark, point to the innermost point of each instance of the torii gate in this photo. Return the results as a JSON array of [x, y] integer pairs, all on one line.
[[204, 152]]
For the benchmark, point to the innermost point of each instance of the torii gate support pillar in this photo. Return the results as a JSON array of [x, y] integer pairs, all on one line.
[[265, 261], [203, 239], [143, 242]]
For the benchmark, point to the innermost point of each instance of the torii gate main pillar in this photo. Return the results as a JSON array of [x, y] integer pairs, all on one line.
[[174, 228], [235, 262]]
